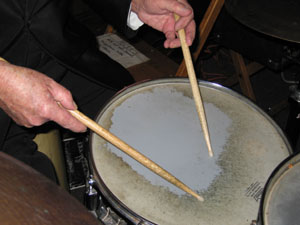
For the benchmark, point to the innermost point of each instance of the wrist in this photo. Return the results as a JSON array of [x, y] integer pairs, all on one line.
[[133, 20], [135, 6]]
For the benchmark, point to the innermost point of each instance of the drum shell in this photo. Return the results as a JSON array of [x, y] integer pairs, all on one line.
[[105, 190], [276, 179]]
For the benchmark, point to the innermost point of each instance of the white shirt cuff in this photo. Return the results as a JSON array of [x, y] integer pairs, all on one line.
[[133, 20]]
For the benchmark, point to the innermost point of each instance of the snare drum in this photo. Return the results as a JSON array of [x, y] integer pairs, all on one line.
[[280, 204], [159, 119]]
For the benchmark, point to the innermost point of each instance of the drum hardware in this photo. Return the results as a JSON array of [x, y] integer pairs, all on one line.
[[290, 58], [91, 195], [105, 213], [109, 217], [293, 122], [82, 182], [75, 147], [94, 202]]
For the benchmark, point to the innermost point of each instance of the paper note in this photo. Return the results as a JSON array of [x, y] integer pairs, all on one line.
[[120, 50]]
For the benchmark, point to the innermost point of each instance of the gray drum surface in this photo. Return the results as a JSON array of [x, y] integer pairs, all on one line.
[[282, 202], [159, 119]]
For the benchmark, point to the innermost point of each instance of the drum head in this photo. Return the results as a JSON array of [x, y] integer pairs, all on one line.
[[159, 119], [282, 196]]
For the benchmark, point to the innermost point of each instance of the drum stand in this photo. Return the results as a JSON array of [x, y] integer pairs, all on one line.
[[243, 71], [293, 121]]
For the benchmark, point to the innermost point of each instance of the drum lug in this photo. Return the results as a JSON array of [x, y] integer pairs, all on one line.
[[91, 199], [109, 217]]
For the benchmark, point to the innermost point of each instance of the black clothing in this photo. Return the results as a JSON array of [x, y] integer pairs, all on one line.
[[40, 34], [49, 25]]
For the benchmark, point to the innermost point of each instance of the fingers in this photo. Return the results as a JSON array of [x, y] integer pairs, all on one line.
[[66, 120], [51, 111], [184, 21], [190, 33], [159, 14], [170, 37], [172, 43], [63, 102], [189, 36]]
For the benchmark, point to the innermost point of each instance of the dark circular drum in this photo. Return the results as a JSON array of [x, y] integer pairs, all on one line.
[[159, 119]]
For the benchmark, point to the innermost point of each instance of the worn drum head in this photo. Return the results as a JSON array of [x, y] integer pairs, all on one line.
[[159, 119], [281, 202]]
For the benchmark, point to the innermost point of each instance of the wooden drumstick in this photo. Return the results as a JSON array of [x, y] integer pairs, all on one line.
[[132, 152], [195, 87], [2, 59]]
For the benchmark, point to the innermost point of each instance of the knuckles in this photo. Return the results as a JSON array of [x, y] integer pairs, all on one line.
[[42, 116]]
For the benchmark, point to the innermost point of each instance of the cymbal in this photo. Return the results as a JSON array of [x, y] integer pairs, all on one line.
[[27, 197], [277, 18]]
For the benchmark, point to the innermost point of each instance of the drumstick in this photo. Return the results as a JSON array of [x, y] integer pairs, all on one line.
[[132, 152], [2, 59], [195, 87]]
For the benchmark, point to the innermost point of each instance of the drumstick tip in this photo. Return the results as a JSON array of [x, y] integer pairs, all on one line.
[[199, 198], [210, 152]]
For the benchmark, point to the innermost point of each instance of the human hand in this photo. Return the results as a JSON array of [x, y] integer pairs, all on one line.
[[159, 14], [30, 98]]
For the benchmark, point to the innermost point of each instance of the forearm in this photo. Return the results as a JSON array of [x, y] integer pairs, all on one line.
[[133, 20], [4, 83]]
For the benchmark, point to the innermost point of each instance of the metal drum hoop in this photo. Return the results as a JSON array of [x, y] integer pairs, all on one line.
[[274, 178], [107, 194]]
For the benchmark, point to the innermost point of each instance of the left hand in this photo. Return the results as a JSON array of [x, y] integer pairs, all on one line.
[[159, 14], [30, 98]]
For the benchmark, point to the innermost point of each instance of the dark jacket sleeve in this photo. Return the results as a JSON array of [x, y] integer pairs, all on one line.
[[114, 12]]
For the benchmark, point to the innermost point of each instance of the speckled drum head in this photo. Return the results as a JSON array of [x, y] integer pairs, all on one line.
[[159, 119], [281, 200]]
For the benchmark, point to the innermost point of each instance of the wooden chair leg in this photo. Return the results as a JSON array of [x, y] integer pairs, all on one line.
[[109, 29], [243, 75], [205, 27]]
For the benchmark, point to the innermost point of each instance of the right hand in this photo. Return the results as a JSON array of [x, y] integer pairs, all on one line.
[[159, 14], [30, 98]]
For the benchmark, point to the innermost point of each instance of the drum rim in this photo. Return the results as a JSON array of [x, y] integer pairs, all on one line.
[[271, 183], [111, 198], [114, 201]]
